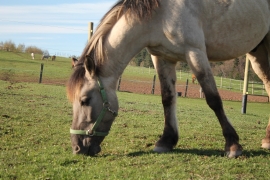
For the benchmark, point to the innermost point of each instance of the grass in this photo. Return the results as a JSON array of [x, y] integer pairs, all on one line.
[[34, 134], [35, 144]]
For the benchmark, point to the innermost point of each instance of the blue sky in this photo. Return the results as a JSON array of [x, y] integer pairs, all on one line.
[[59, 26]]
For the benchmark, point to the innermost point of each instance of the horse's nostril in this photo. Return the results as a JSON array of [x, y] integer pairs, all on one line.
[[94, 150], [77, 149]]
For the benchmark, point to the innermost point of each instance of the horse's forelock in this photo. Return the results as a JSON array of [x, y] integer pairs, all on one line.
[[75, 82]]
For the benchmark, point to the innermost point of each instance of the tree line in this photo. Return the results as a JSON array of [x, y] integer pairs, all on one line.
[[11, 46]]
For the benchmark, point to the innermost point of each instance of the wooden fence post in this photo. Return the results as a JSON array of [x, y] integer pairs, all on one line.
[[153, 87], [186, 88], [41, 72], [119, 82], [90, 30], [201, 93], [221, 82], [252, 87]]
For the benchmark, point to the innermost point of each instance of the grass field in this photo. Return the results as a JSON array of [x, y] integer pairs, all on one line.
[[34, 133]]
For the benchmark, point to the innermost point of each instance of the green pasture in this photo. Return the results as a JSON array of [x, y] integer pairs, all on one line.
[[35, 120], [34, 133]]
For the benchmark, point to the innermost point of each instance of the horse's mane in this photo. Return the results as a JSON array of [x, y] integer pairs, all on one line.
[[136, 9]]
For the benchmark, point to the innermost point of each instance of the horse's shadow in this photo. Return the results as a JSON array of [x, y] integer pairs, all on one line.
[[205, 152]]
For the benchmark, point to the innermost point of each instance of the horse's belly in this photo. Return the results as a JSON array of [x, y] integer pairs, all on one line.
[[167, 53]]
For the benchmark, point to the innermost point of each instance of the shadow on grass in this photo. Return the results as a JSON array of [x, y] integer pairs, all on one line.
[[206, 152]]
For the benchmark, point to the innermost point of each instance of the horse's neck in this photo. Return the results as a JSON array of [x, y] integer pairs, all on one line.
[[123, 42]]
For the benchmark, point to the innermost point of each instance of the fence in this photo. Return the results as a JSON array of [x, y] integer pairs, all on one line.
[[33, 74], [146, 86], [143, 83], [13, 74]]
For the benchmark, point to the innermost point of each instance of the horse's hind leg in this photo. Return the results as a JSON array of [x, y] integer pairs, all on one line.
[[266, 140], [260, 61], [167, 76], [200, 66]]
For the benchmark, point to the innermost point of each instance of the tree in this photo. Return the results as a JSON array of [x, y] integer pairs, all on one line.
[[46, 52], [143, 58], [138, 59], [9, 46], [33, 49], [183, 66], [1, 45], [147, 59], [20, 48]]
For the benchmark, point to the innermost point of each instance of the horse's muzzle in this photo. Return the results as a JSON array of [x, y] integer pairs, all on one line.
[[88, 150]]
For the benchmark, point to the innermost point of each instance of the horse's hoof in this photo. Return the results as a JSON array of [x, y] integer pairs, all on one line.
[[266, 146], [233, 154], [162, 149], [234, 150]]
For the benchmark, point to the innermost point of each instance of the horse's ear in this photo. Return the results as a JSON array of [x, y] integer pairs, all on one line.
[[90, 65]]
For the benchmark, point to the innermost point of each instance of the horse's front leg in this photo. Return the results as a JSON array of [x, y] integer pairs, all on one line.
[[167, 76], [200, 66]]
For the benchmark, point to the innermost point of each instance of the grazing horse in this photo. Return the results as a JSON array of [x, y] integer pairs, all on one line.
[[192, 31], [45, 57], [33, 55], [53, 58], [193, 78]]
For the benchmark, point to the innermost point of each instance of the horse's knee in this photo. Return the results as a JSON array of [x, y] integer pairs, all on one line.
[[168, 94], [214, 102], [167, 99]]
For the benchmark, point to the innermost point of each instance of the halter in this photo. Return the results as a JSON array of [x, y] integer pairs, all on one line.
[[106, 107]]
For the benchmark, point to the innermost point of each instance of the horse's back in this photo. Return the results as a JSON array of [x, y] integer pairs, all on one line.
[[226, 28], [238, 29]]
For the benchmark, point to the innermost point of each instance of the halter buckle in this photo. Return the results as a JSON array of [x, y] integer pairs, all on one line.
[[90, 132]]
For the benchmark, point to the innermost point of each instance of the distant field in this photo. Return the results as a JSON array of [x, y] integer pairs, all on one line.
[[20, 67]]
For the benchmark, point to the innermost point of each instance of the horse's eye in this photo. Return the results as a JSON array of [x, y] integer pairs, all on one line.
[[85, 101]]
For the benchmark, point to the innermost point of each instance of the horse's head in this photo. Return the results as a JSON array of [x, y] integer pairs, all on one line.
[[95, 107]]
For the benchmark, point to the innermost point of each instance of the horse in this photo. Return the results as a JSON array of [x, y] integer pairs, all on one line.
[[73, 62], [192, 31], [193, 77], [45, 57], [53, 58], [33, 55]]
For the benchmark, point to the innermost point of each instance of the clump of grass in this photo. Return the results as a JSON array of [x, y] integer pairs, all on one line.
[[8, 75]]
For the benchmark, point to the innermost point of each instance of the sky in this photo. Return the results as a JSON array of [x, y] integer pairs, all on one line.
[[58, 26]]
